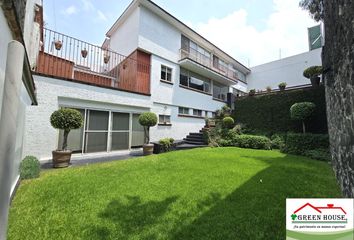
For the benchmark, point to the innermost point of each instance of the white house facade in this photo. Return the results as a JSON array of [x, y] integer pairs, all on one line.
[[150, 61]]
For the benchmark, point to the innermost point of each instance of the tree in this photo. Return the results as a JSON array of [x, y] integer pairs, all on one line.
[[66, 119], [315, 7], [147, 120], [338, 75], [302, 111]]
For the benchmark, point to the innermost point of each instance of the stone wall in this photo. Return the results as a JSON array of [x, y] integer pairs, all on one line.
[[338, 62]]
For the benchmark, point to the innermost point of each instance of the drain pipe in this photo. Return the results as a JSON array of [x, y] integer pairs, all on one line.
[[8, 120]]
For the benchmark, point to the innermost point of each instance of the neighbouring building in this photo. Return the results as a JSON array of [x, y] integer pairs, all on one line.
[[19, 31], [150, 61]]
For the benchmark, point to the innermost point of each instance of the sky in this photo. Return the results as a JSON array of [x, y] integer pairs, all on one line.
[[251, 31]]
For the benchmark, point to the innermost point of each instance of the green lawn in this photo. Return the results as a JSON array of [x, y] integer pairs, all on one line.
[[211, 193]]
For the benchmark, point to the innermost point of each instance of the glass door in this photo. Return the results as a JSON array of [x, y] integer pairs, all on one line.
[[120, 131], [137, 132], [96, 132]]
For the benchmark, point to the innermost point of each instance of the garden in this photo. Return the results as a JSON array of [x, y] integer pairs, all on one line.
[[207, 193]]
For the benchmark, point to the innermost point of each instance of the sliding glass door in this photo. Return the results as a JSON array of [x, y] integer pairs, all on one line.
[[96, 132], [120, 131], [137, 132]]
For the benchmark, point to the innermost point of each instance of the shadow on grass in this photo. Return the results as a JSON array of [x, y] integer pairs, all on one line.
[[130, 217], [256, 210]]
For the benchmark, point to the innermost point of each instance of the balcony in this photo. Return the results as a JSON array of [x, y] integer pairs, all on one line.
[[65, 57], [203, 64]]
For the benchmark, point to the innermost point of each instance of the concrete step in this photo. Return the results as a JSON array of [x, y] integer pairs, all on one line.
[[194, 142], [197, 137], [186, 146], [196, 134]]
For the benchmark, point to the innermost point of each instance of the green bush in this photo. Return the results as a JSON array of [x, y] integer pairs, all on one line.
[[302, 111], [247, 141], [228, 122], [29, 168], [282, 85], [252, 92], [269, 113], [312, 71], [277, 141], [322, 154], [296, 143], [166, 143], [66, 119]]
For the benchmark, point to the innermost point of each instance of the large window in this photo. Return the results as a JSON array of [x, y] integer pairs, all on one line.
[[195, 51], [220, 91], [105, 131], [166, 73], [194, 81], [183, 111]]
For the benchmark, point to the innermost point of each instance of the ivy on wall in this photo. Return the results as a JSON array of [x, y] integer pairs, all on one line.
[[270, 113]]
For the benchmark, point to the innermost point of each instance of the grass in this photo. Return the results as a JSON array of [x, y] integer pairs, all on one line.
[[211, 193]]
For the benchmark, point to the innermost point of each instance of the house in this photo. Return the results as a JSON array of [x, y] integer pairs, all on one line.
[[18, 24], [150, 61]]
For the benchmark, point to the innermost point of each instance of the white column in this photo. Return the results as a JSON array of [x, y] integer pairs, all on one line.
[[8, 120]]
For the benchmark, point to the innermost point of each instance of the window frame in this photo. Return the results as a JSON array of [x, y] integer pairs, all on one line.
[[166, 69], [183, 112], [198, 111], [190, 76], [164, 116]]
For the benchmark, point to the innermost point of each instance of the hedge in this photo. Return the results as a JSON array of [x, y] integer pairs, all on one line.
[[269, 113], [297, 143], [247, 141]]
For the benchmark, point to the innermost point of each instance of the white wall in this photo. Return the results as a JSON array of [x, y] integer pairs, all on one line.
[[125, 39], [287, 70], [158, 37]]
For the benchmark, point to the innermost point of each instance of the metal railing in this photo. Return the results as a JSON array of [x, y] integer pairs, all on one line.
[[207, 61], [67, 57]]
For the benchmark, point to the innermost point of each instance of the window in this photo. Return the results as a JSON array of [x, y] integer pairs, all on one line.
[[197, 112], [164, 119], [220, 91], [166, 73], [194, 81], [184, 111]]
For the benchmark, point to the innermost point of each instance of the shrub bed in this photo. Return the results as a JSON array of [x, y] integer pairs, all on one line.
[[247, 141], [296, 143]]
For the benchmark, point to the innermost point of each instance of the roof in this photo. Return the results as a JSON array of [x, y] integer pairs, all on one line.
[[189, 32]]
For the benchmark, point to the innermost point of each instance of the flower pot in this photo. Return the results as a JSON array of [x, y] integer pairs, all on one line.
[[84, 53], [148, 149], [315, 81], [106, 59], [58, 44], [61, 159], [282, 88]]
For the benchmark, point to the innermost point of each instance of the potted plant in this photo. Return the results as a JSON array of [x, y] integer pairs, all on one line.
[[282, 86], [84, 53], [269, 89], [252, 92], [65, 119], [147, 120], [313, 73], [106, 57], [58, 44]]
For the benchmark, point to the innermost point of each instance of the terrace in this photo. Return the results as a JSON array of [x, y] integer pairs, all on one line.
[[68, 58]]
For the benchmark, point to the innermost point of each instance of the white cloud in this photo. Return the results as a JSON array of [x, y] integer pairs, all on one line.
[[286, 29], [87, 5], [70, 10], [101, 16]]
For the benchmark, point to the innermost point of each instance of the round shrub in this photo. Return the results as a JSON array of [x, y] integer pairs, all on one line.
[[302, 111], [312, 71], [29, 168], [66, 119], [228, 122], [148, 119]]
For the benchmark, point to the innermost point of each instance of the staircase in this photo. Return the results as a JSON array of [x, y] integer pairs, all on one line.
[[193, 140]]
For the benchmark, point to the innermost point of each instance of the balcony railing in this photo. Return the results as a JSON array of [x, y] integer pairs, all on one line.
[[207, 61], [67, 57]]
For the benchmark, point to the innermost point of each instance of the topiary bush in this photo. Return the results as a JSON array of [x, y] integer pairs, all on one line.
[[228, 122], [282, 85], [312, 71], [302, 111], [29, 168], [147, 120], [66, 119], [297, 143]]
